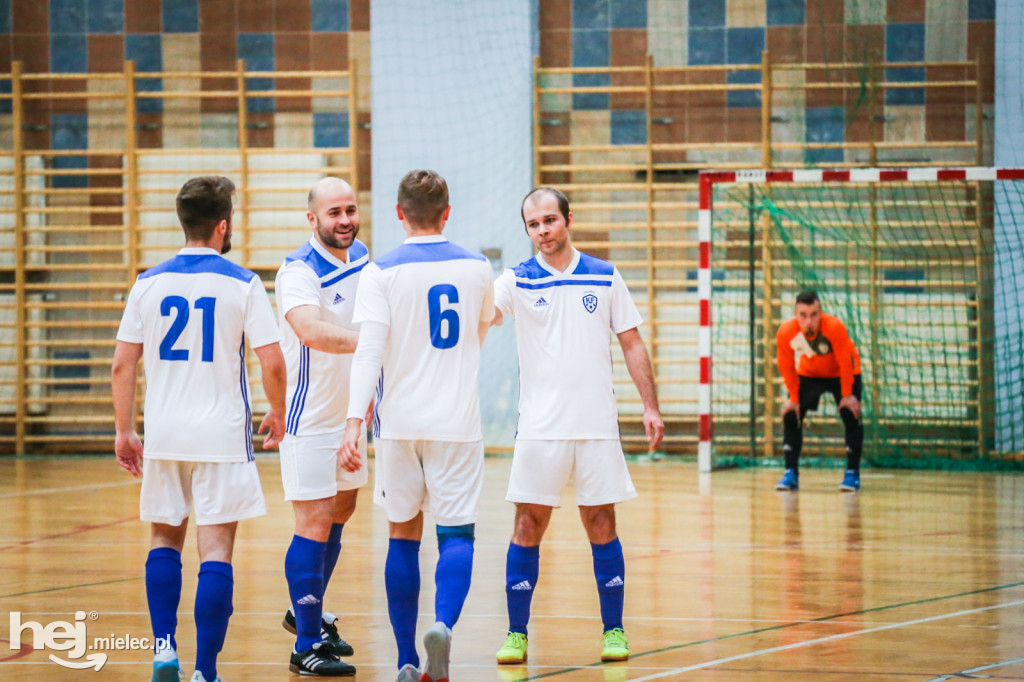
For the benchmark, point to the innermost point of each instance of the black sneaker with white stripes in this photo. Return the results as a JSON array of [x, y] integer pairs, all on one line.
[[318, 661], [328, 632]]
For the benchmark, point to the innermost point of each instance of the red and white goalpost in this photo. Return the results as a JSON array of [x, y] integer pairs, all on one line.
[[708, 181]]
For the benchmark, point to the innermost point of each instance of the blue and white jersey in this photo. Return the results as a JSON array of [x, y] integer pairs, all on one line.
[[192, 314], [563, 326], [433, 295], [317, 397]]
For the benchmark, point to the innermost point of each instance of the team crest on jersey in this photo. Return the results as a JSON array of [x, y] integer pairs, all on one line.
[[338, 298], [590, 301]]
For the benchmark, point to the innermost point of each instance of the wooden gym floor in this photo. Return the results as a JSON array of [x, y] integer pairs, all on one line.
[[918, 577]]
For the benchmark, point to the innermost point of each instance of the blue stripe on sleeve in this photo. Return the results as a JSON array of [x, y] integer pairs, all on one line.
[[250, 456], [376, 408]]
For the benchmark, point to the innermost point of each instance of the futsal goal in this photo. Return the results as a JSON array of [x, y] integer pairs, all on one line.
[[925, 266]]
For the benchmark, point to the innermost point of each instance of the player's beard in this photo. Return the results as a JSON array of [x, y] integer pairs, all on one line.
[[226, 246], [328, 238]]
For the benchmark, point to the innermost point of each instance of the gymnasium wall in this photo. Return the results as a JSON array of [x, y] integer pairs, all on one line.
[[96, 36], [86, 36], [837, 100], [708, 33]]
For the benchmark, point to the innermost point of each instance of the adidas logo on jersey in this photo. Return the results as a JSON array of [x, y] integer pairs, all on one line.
[[338, 298], [524, 585], [540, 302], [614, 582], [308, 599]]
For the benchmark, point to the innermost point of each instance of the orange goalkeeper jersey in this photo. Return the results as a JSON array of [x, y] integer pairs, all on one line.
[[830, 353]]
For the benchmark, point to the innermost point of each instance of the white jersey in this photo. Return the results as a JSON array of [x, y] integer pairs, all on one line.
[[192, 315], [432, 294], [563, 326], [317, 395]]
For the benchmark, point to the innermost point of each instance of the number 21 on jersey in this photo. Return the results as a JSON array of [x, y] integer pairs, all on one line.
[[443, 336], [179, 308]]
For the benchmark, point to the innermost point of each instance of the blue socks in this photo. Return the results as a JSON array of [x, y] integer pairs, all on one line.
[[522, 567], [332, 551], [610, 572], [402, 581], [213, 610], [304, 571], [454, 571], [163, 592]]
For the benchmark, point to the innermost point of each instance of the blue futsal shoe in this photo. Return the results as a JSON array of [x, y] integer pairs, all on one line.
[[851, 481], [166, 667], [790, 481]]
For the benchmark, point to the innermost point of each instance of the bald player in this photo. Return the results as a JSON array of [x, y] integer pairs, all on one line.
[[316, 287], [829, 363]]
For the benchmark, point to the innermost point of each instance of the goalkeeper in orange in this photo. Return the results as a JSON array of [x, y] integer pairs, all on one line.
[[828, 363]]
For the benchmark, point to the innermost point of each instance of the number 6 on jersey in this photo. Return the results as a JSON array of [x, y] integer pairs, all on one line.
[[440, 336]]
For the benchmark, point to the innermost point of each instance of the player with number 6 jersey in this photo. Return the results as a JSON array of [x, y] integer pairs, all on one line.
[[423, 309]]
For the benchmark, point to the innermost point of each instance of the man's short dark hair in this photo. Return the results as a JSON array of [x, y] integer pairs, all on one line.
[[202, 203], [807, 297], [423, 197], [563, 202]]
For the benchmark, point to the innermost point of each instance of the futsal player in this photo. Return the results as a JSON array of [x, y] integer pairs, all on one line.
[[829, 363], [567, 305], [316, 292], [423, 309], [189, 318]]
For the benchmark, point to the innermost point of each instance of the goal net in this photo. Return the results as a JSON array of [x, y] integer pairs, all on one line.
[[926, 269]]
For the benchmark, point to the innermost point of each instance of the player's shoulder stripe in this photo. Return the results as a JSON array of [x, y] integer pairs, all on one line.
[[594, 272], [530, 269], [196, 264], [357, 251], [309, 256], [430, 252], [592, 265]]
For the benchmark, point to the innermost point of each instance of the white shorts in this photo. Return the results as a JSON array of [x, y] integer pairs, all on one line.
[[309, 467], [541, 468], [441, 477], [221, 492]]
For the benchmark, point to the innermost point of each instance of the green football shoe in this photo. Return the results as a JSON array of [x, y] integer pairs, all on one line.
[[513, 651], [614, 645]]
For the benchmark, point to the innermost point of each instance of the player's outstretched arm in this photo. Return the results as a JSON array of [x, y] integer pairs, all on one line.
[[366, 364], [320, 334], [638, 362], [127, 445], [275, 381]]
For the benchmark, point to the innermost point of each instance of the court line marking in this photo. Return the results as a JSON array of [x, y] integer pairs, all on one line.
[[499, 616], [69, 587], [68, 489], [821, 640], [784, 626], [77, 531], [950, 676]]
